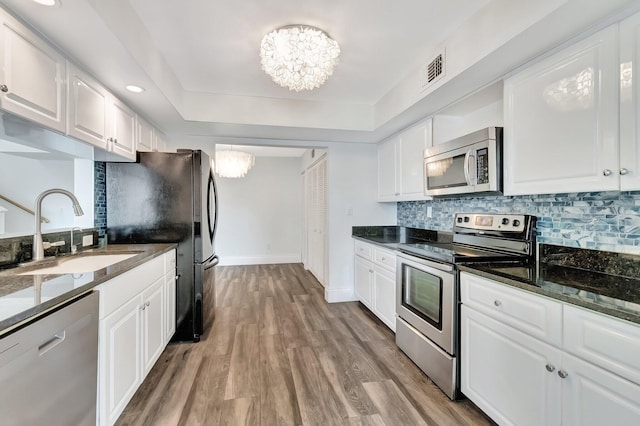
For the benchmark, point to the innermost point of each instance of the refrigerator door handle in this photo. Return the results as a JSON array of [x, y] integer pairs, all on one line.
[[211, 262]]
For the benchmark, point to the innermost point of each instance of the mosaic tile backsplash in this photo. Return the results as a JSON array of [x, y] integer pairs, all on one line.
[[100, 197], [594, 220]]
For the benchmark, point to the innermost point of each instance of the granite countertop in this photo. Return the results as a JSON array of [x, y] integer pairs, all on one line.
[[392, 236], [605, 282], [614, 295], [24, 297]]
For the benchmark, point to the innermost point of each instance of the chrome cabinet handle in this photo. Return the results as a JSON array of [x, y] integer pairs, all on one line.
[[623, 171], [563, 374], [550, 368], [143, 307], [115, 140], [497, 303], [4, 88], [147, 304], [606, 172], [383, 258]]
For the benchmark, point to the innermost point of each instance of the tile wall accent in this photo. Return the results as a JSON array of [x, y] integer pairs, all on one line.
[[594, 220], [100, 198]]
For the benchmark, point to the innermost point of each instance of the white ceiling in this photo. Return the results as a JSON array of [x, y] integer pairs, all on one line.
[[199, 59]]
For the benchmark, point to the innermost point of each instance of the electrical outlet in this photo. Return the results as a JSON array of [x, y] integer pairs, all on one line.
[[87, 240], [429, 211]]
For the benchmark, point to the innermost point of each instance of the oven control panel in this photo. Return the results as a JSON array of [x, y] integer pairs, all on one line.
[[491, 222]]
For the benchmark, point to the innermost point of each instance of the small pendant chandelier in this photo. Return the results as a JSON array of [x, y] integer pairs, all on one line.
[[231, 163]]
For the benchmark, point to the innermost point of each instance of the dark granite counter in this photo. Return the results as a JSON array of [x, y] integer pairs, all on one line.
[[605, 282], [24, 297]]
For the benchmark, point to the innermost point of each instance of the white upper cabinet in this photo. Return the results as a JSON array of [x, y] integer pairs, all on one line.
[[561, 121], [122, 138], [88, 106], [146, 135], [160, 141], [32, 76], [400, 164], [630, 104]]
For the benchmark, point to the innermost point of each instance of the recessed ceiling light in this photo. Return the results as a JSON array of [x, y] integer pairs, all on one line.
[[46, 2], [135, 89]]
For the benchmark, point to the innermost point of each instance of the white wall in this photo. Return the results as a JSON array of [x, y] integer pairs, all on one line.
[[352, 192], [22, 179], [260, 215]]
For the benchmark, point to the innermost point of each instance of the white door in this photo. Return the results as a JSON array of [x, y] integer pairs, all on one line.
[[413, 143], [387, 164], [88, 104], [629, 170], [32, 76], [316, 201], [561, 121], [592, 396], [363, 278], [123, 130], [508, 374], [120, 370], [153, 324], [384, 287], [146, 140]]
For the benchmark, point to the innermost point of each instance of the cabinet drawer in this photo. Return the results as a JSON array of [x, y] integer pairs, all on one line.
[[534, 315], [119, 290], [608, 342], [364, 250], [385, 258]]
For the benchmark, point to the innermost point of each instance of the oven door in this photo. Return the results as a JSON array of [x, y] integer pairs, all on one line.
[[426, 298]]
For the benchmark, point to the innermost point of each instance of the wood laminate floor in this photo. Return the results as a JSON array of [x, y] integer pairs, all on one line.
[[278, 354]]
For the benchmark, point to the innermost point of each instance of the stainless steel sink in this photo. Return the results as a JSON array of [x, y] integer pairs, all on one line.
[[77, 264]]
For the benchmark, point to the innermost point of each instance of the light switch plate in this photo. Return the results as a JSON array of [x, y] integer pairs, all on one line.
[[87, 240]]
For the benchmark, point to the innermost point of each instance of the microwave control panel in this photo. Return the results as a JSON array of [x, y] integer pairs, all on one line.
[[482, 163]]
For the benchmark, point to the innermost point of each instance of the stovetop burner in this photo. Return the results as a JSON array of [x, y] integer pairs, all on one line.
[[482, 237]]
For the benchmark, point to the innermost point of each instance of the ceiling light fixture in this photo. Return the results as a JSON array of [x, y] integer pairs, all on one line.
[[46, 2], [233, 164], [299, 57], [135, 89]]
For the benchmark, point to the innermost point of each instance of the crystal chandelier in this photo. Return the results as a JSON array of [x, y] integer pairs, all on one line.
[[233, 164], [299, 57]]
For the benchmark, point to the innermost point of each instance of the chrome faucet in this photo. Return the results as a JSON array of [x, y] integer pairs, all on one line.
[[38, 246]]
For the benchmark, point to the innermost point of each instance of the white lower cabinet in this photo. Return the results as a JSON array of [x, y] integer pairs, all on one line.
[[133, 333], [375, 282], [589, 377]]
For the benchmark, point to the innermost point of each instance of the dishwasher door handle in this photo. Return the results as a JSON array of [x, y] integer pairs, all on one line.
[[54, 341]]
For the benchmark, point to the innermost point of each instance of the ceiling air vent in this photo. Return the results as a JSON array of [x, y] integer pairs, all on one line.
[[433, 71]]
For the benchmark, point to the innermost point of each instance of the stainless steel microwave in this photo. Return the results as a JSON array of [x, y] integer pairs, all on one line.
[[471, 164]]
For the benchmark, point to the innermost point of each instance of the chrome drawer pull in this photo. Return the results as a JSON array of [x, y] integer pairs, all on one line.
[[497, 303]]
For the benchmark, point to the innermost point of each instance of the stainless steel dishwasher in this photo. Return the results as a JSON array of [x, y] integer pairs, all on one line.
[[48, 369]]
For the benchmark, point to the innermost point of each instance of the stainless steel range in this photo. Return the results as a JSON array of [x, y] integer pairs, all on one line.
[[427, 302]]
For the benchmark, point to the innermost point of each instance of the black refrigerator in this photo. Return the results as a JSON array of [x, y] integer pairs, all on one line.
[[171, 197]]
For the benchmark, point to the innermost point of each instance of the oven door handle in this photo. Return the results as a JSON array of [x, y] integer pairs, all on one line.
[[425, 262]]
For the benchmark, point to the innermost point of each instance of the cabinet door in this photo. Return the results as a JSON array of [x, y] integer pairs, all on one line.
[[88, 103], [161, 141], [32, 74], [153, 334], [146, 138], [170, 305], [384, 297], [561, 121], [413, 142], [363, 280], [387, 185], [592, 396], [123, 129], [630, 104], [120, 370], [505, 372]]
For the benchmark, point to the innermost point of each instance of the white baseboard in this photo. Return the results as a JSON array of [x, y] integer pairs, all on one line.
[[258, 260], [339, 295]]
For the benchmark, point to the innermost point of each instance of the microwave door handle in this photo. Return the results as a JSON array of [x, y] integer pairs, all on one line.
[[467, 164]]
